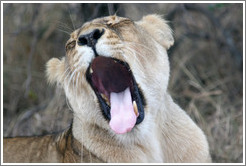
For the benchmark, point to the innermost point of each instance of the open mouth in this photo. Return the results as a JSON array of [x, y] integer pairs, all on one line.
[[119, 96]]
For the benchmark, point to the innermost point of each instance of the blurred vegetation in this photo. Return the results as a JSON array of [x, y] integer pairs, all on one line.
[[206, 66]]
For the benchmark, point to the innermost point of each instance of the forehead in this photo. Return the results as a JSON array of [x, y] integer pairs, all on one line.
[[110, 20], [107, 22]]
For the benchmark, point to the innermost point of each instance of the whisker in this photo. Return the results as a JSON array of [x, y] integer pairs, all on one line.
[[63, 25], [73, 82], [64, 31], [71, 77], [71, 19], [69, 106], [129, 47], [67, 75], [133, 53], [144, 46], [78, 88]]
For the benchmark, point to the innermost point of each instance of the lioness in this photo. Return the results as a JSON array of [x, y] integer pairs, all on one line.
[[115, 76]]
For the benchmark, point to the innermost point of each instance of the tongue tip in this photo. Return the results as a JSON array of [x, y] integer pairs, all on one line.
[[120, 130], [123, 125]]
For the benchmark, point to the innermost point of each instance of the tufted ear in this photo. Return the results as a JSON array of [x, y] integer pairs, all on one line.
[[55, 69], [158, 29]]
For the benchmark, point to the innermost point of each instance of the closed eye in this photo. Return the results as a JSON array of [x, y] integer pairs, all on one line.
[[70, 45]]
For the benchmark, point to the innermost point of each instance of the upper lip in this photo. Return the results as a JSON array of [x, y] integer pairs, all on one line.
[[136, 92]]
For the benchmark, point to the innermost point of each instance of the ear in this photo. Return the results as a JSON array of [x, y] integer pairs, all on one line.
[[158, 29], [55, 69]]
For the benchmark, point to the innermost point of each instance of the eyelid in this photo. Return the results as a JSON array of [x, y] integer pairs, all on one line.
[[69, 44]]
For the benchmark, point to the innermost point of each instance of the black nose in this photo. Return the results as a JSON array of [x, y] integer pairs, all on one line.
[[91, 38]]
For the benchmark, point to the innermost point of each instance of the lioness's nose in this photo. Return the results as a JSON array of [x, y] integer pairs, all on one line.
[[90, 39]]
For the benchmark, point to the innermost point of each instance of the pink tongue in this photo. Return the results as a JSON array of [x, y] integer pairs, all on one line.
[[123, 117]]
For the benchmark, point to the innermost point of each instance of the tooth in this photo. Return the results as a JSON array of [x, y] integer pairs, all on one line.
[[91, 71], [105, 98], [135, 108]]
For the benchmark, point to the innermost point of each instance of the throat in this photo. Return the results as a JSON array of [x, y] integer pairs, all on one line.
[[99, 141]]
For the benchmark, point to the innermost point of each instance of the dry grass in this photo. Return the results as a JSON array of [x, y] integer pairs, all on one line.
[[206, 76]]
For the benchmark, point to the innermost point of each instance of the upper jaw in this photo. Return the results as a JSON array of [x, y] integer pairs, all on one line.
[[137, 96]]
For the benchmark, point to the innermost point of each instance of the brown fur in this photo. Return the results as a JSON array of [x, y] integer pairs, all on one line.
[[55, 148], [167, 134]]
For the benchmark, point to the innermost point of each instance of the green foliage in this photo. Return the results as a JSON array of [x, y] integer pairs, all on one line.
[[32, 95]]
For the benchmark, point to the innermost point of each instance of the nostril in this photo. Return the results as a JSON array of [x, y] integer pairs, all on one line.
[[91, 38], [97, 34], [82, 40]]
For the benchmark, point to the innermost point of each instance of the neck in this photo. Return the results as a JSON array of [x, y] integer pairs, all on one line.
[[110, 148]]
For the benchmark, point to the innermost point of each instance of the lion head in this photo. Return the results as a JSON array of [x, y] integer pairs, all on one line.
[[116, 72]]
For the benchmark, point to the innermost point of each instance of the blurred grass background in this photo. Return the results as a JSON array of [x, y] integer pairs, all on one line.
[[206, 66]]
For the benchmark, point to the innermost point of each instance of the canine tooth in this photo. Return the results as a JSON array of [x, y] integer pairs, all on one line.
[[107, 102], [91, 71], [105, 98], [135, 108]]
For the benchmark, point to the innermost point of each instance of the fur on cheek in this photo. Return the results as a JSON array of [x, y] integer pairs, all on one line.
[[84, 104]]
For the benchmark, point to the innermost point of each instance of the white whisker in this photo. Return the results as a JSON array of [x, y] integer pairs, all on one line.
[[78, 87], [138, 44], [67, 74], [71, 77], [69, 107]]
